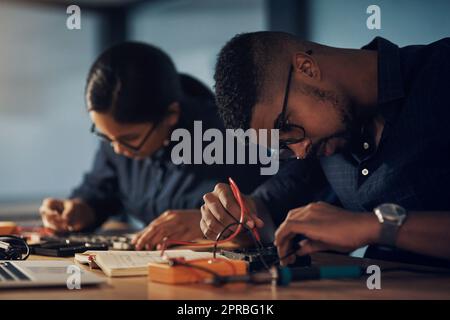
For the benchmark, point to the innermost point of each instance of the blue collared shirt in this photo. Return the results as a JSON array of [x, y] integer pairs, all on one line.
[[411, 165]]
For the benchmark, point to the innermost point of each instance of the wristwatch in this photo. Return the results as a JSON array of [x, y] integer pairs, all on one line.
[[391, 216]]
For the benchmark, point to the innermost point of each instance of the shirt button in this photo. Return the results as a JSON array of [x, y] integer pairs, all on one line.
[[366, 145], [365, 172]]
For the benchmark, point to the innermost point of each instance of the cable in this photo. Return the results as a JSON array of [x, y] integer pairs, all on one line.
[[290, 253], [11, 248], [244, 211], [259, 246], [237, 194], [221, 234], [295, 247]]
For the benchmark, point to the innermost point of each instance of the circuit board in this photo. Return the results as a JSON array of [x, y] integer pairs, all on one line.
[[257, 258]]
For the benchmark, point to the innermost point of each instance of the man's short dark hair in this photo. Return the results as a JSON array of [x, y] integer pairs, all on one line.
[[240, 72]]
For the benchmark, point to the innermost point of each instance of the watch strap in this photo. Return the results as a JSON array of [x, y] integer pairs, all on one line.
[[388, 234]]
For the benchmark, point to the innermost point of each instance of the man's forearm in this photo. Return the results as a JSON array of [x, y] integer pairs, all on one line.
[[427, 233], [422, 232]]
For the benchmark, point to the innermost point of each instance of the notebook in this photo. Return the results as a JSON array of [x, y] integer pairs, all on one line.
[[134, 263]]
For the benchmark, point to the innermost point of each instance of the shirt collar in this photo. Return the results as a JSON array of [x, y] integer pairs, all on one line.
[[390, 80], [390, 90]]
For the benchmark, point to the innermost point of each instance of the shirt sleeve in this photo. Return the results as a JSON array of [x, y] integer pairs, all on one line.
[[296, 184], [99, 188]]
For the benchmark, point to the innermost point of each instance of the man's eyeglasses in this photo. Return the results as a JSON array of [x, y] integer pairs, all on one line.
[[293, 133], [134, 149]]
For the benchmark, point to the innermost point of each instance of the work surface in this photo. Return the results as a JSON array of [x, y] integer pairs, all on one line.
[[394, 285]]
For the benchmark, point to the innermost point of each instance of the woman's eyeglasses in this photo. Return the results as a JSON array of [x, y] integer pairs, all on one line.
[[134, 149]]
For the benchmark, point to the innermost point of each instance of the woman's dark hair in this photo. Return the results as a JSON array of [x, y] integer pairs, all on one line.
[[135, 82]]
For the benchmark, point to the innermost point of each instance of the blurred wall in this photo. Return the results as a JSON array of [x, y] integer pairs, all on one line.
[[193, 31], [343, 23], [45, 142]]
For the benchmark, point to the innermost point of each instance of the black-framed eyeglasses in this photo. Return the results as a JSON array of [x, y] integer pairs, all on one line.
[[134, 149], [297, 133]]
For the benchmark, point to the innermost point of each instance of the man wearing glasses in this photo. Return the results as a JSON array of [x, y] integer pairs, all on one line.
[[374, 120], [135, 99]]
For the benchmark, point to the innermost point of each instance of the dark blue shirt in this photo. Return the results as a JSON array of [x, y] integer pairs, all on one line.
[[411, 165], [144, 189]]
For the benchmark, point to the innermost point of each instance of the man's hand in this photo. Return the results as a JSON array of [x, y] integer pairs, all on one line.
[[174, 224], [66, 215], [326, 227], [221, 209]]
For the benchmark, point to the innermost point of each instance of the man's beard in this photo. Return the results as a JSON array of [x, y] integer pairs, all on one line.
[[351, 127]]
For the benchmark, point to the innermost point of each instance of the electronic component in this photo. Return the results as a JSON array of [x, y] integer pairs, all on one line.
[[68, 245], [257, 257], [65, 248], [113, 242]]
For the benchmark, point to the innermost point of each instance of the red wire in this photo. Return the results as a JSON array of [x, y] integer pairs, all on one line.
[[238, 196], [244, 211]]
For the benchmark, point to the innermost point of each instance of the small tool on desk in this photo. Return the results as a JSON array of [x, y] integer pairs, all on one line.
[[268, 253], [283, 276], [65, 248]]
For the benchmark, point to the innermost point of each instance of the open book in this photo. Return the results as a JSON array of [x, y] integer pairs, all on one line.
[[134, 263]]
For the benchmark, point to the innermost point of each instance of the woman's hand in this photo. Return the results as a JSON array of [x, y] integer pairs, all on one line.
[[175, 224], [66, 214]]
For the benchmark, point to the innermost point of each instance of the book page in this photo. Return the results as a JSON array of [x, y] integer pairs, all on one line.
[[138, 259]]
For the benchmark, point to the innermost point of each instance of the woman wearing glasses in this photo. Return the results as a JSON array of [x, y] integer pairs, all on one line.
[[135, 99]]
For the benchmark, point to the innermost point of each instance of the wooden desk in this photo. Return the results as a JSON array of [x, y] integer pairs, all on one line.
[[395, 285]]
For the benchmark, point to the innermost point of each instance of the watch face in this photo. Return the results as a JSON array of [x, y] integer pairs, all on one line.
[[392, 212]]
